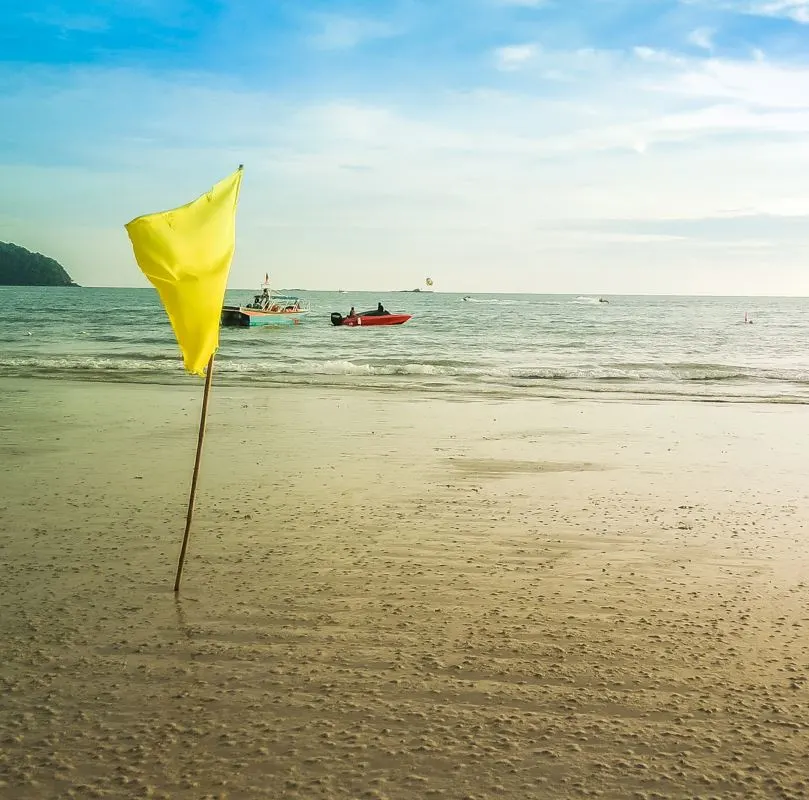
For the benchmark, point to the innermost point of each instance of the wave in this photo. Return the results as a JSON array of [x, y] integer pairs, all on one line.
[[250, 367], [499, 301], [735, 386]]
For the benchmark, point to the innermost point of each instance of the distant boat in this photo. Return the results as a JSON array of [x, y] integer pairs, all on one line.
[[428, 283], [267, 308]]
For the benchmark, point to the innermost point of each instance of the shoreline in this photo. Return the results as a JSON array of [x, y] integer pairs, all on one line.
[[526, 391], [393, 595]]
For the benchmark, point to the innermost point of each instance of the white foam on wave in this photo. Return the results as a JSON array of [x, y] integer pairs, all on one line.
[[336, 367], [657, 375], [83, 363]]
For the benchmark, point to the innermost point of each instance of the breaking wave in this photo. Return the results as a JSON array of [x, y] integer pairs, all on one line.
[[653, 380]]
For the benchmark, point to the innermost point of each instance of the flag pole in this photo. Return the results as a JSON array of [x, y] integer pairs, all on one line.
[[200, 439]]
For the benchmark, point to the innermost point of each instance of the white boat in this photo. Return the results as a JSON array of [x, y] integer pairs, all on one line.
[[267, 308]]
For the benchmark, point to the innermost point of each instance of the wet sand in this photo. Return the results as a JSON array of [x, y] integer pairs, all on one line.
[[401, 596]]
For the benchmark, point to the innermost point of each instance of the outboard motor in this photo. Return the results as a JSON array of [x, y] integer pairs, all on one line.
[[336, 318]]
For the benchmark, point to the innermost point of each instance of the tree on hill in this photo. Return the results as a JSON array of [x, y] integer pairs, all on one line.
[[21, 267]]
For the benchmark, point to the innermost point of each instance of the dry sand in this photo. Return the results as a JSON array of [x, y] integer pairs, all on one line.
[[401, 596]]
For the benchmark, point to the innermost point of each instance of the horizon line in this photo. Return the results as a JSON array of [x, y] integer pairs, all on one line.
[[459, 292]]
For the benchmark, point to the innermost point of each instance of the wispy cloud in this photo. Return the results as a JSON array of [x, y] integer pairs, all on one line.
[[656, 56], [525, 3], [796, 10], [64, 21], [759, 84], [514, 56], [341, 32], [701, 37]]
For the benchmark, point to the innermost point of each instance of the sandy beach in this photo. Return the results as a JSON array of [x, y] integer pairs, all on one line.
[[402, 596]]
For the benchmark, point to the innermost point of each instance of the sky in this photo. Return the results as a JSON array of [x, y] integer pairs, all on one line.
[[582, 146]]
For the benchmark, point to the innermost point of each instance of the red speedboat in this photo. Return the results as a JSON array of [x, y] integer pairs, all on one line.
[[368, 318]]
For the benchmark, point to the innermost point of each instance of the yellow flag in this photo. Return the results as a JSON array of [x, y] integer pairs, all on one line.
[[186, 253]]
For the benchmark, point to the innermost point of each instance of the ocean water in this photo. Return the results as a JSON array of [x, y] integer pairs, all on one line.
[[551, 345]]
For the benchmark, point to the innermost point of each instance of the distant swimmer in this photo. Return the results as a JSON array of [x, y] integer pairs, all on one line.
[[602, 300]]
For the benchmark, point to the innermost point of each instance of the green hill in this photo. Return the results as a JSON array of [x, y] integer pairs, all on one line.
[[21, 267]]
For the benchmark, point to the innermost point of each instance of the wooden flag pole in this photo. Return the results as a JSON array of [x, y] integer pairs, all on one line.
[[190, 515]]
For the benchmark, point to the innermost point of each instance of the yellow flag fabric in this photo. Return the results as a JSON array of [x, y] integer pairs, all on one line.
[[186, 254]]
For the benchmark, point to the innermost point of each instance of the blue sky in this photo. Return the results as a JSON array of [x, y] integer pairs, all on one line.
[[601, 146]]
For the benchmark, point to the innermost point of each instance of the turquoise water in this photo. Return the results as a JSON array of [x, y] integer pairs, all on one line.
[[551, 345]]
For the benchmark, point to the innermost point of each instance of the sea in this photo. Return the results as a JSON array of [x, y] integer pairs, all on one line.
[[657, 348]]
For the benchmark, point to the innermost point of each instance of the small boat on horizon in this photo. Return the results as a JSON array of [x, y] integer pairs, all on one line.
[[428, 283]]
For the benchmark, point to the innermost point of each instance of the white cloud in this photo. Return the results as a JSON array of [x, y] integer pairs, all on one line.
[[657, 56], [339, 32], [796, 10], [757, 83], [702, 37], [515, 56]]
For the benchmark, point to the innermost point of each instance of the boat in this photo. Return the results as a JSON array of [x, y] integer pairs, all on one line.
[[267, 308], [428, 283], [369, 318]]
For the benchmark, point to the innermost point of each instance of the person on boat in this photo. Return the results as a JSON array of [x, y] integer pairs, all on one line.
[[352, 313], [265, 298]]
